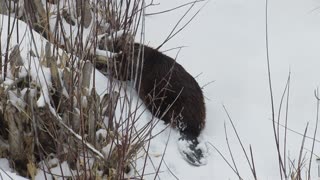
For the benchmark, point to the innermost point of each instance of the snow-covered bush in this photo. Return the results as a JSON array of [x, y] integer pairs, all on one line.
[[57, 112]]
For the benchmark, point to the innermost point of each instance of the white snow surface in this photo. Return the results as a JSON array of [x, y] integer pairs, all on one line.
[[226, 43], [6, 173]]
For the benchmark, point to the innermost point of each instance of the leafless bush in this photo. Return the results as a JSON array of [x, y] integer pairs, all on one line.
[[74, 123], [52, 114]]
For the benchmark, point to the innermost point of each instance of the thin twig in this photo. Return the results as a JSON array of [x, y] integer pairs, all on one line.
[[208, 83], [298, 133], [300, 161], [172, 9], [225, 159], [315, 133], [173, 33], [179, 47], [230, 152], [285, 130], [239, 140], [164, 152], [271, 91], [252, 161]]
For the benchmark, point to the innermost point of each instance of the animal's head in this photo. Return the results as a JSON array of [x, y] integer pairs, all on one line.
[[117, 65], [128, 60], [127, 56]]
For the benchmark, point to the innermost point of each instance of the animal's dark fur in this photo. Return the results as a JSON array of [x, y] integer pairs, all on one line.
[[166, 88]]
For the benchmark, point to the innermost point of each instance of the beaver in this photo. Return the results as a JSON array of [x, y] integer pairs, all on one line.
[[169, 92]]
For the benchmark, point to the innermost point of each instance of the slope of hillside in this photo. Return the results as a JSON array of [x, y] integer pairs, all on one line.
[[226, 43]]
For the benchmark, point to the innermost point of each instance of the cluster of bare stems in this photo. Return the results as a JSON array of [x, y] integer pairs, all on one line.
[[76, 125]]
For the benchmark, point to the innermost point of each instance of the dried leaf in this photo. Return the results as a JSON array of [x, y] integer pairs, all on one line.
[[32, 170], [15, 61], [86, 77]]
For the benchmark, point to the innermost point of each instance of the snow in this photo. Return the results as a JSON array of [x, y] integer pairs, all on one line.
[[6, 173], [39, 74], [226, 43], [17, 101], [55, 171]]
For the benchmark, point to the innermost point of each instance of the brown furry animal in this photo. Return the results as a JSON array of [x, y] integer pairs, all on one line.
[[167, 89]]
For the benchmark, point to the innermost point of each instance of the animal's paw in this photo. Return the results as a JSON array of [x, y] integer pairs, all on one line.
[[193, 152]]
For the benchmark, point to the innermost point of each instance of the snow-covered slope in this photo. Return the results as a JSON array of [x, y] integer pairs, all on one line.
[[226, 43]]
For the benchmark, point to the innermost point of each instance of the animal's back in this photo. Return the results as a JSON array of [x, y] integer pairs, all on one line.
[[171, 93]]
